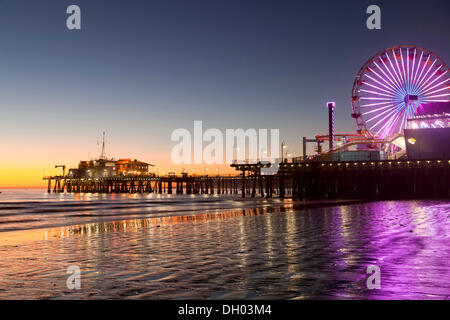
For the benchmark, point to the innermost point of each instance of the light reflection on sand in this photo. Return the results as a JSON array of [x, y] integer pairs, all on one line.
[[280, 252]]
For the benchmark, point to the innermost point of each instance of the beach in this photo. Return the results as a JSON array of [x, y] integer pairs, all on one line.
[[214, 248]]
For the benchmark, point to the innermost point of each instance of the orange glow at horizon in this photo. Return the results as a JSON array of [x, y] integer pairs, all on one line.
[[27, 172], [28, 158]]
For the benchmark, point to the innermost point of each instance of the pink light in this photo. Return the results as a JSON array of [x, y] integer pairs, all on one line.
[[431, 100], [377, 93], [392, 82], [431, 75], [380, 114], [374, 104], [407, 68], [378, 82], [436, 79], [389, 88], [393, 68], [398, 67], [412, 70], [388, 83], [425, 75], [375, 110], [437, 85], [403, 66], [388, 125], [379, 99], [423, 68], [440, 95], [403, 118], [388, 115], [417, 71], [374, 86]]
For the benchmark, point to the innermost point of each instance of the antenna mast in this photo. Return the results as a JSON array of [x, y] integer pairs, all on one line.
[[102, 155]]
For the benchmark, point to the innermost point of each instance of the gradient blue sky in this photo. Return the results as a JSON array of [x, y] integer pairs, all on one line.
[[141, 69]]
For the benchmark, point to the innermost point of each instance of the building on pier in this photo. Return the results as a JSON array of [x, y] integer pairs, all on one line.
[[106, 168], [428, 132], [131, 166]]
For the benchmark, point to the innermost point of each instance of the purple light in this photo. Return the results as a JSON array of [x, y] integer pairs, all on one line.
[[374, 104], [375, 110], [390, 89]]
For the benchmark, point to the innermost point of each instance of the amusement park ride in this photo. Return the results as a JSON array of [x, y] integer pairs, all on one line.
[[387, 91]]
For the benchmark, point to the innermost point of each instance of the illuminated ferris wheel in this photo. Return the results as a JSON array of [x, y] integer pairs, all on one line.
[[392, 84]]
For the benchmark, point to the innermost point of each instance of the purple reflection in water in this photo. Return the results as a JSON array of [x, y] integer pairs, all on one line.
[[277, 251]]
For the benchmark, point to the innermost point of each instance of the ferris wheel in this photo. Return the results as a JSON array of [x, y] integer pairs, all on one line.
[[392, 84]]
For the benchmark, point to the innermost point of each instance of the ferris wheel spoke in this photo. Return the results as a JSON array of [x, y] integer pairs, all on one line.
[[379, 83], [404, 71], [398, 68], [387, 126], [395, 72], [381, 89], [435, 86], [429, 78], [377, 109], [391, 109], [373, 104], [426, 73], [393, 117], [383, 79], [432, 100], [412, 69], [436, 79], [394, 80], [408, 81], [440, 95], [417, 71], [423, 69], [393, 84], [404, 118], [376, 99], [377, 93], [392, 113]]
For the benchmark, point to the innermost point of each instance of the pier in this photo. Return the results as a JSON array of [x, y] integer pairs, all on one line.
[[304, 180]]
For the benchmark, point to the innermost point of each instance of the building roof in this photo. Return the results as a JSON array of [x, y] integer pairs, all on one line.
[[432, 108], [125, 161]]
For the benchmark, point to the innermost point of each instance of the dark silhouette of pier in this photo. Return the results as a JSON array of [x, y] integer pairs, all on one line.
[[387, 179]]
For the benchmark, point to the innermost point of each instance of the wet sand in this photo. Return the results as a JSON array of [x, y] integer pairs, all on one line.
[[273, 252]]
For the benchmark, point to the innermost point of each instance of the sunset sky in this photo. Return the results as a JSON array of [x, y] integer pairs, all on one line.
[[141, 69]]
